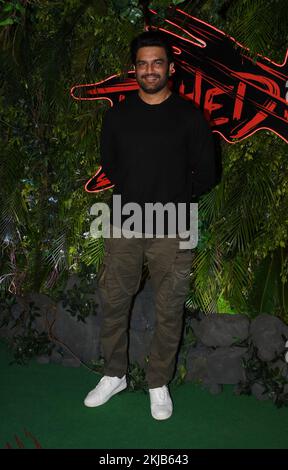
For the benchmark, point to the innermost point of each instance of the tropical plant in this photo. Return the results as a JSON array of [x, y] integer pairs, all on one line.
[[49, 143]]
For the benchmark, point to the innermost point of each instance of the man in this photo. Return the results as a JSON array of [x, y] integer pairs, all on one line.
[[156, 147]]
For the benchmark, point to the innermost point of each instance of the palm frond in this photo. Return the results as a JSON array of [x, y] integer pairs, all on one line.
[[93, 251], [55, 257], [252, 25]]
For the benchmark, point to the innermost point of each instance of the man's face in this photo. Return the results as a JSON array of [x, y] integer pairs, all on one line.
[[152, 70]]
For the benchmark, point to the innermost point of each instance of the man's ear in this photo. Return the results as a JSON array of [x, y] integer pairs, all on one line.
[[171, 68]]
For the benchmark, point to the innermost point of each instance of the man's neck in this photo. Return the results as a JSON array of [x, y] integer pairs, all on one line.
[[154, 98]]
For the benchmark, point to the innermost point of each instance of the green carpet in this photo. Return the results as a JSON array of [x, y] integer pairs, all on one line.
[[47, 401]]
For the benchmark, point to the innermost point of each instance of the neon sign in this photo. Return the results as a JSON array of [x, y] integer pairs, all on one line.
[[238, 96]]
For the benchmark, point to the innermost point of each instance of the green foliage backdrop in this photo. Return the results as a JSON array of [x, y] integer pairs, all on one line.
[[50, 146]]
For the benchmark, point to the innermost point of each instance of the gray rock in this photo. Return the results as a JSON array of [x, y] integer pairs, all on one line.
[[46, 309], [224, 365], [258, 391], [17, 309], [196, 363], [56, 357], [81, 338], [71, 362], [267, 333], [72, 281], [221, 329], [45, 359]]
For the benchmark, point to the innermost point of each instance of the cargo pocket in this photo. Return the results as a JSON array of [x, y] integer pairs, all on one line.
[[181, 269]]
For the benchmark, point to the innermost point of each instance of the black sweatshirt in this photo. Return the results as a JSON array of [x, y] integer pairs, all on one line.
[[157, 153]]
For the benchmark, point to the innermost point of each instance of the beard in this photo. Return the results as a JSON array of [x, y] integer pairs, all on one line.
[[155, 86]]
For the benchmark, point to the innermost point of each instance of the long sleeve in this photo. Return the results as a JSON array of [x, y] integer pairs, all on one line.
[[202, 151], [108, 155]]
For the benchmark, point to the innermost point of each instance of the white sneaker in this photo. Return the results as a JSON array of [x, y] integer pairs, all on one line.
[[104, 390], [160, 402]]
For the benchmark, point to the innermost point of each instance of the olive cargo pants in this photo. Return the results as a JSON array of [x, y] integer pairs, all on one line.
[[118, 281]]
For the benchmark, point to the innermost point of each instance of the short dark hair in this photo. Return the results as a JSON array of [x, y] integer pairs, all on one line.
[[150, 38]]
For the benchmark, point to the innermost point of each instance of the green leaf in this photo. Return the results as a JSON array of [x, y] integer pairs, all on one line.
[[20, 7], [7, 22], [8, 7]]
